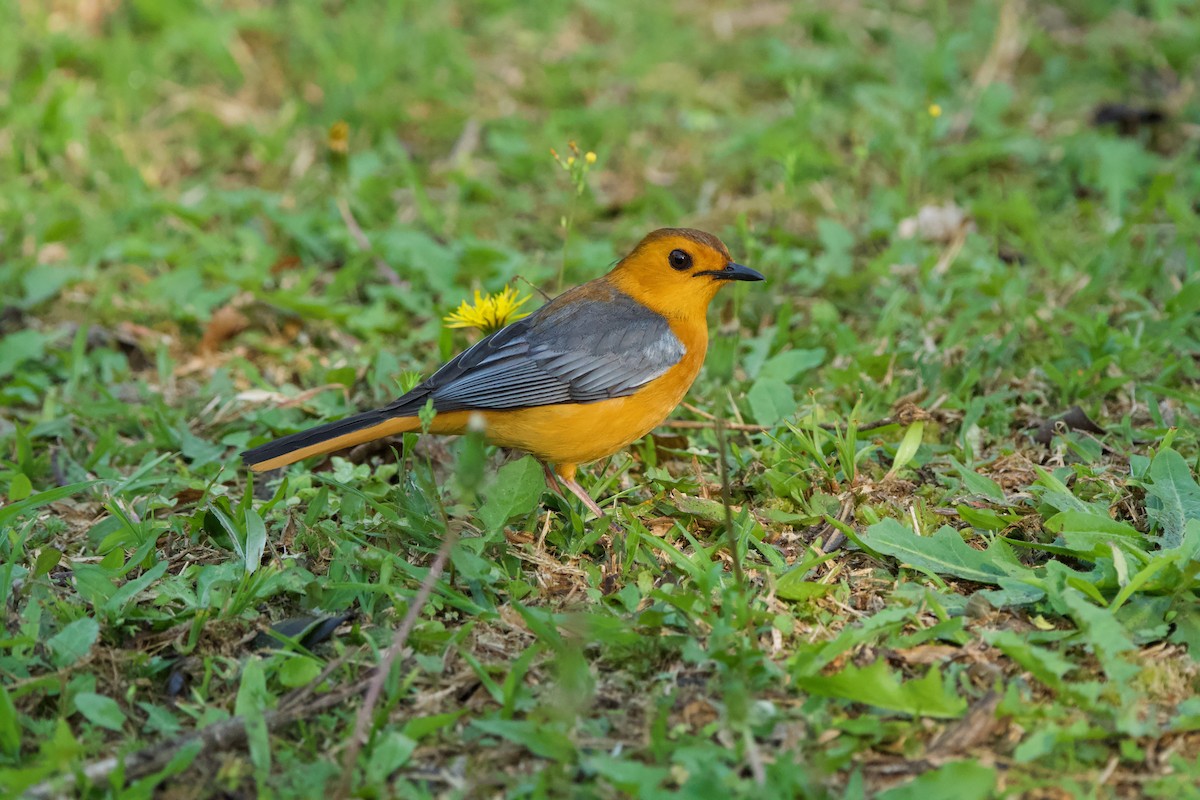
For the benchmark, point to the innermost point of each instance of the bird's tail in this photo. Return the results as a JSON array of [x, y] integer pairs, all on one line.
[[364, 427]]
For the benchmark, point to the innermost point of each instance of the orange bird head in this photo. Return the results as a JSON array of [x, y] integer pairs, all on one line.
[[678, 271]]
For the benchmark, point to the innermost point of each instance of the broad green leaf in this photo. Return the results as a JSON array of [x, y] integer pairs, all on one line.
[[985, 519], [19, 347], [10, 725], [516, 491], [1145, 617], [45, 281], [1187, 715], [542, 623], [471, 565], [1117, 165], [1167, 571], [199, 451], [944, 553], [179, 762], [1186, 300], [219, 524], [298, 670], [790, 364], [810, 660], [705, 509], [540, 739], [632, 777], [978, 484], [385, 510], [256, 540], [1105, 635], [251, 704], [472, 462], [1085, 521], [599, 628], [20, 488], [1056, 494], [131, 589], [391, 752], [249, 539], [420, 727], [837, 241], [95, 582], [47, 560], [1176, 496], [1044, 741], [100, 710], [1187, 631], [792, 586], [61, 746], [909, 446], [878, 686], [159, 719], [1087, 532], [958, 780], [73, 642], [771, 401], [1046, 665], [1012, 592]]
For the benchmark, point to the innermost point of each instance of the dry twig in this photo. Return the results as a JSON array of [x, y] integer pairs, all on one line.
[[997, 66], [385, 666]]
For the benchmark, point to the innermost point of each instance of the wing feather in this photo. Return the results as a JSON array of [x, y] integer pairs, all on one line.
[[582, 347]]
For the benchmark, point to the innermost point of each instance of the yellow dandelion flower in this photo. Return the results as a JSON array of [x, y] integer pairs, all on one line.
[[489, 312], [590, 157], [339, 137], [935, 110]]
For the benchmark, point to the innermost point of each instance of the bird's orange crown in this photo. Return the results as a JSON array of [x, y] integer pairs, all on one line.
[[677, 272]]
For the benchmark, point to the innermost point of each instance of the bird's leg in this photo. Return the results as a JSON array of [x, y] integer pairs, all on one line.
[[579, 492], [566, 475], [552, 482], [556, 482]]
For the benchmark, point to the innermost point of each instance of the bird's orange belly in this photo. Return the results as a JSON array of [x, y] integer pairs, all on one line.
[[583, 432]]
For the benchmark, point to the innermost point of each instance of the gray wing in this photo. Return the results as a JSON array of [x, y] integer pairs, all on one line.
[[579, 348]]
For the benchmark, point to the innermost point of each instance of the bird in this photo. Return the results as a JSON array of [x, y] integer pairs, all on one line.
[[587, 374]]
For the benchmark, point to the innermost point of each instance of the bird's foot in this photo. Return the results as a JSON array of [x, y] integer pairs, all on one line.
[[552, 480], [613, 542], [586, 498]]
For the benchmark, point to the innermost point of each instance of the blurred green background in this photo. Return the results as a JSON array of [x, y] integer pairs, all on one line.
[[972, 216]]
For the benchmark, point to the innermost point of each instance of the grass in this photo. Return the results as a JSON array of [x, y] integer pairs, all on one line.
[[189, 268]]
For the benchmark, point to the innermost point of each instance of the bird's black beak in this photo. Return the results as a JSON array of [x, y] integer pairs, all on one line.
[[732, 272]]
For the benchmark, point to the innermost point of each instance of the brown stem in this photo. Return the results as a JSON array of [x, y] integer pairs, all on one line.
[[375, 689]]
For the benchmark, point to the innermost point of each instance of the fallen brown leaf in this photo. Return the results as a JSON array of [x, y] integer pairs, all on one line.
[[226, 322]]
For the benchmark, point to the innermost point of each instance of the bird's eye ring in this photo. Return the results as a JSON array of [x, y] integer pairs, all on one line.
[[680, 260]]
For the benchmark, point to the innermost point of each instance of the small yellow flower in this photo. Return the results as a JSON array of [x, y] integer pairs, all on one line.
[[490, 312], [570, 161], [935, 110], [339, 137], [590, 157]]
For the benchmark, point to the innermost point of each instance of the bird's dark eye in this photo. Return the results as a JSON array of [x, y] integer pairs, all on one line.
[[680, 260]]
